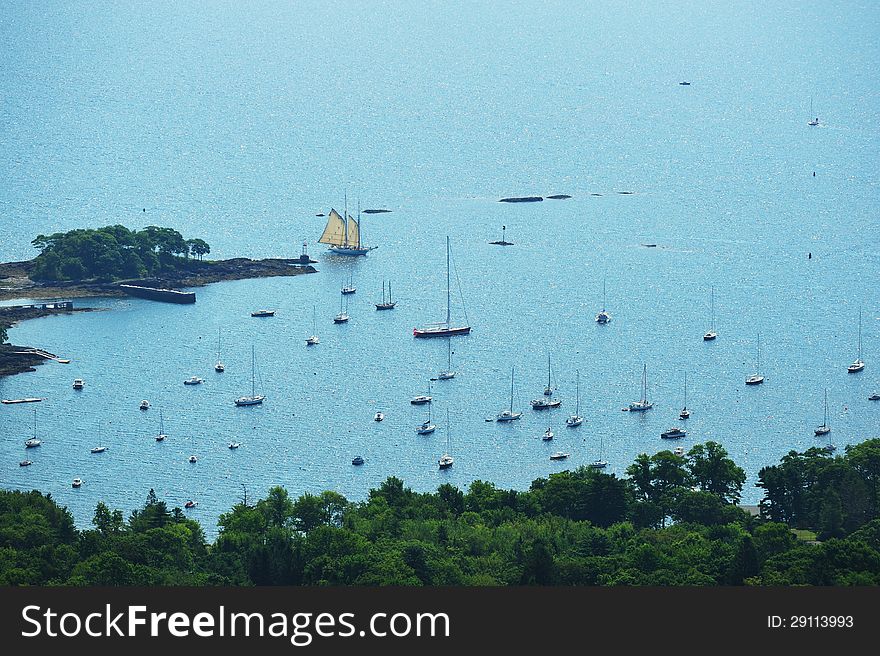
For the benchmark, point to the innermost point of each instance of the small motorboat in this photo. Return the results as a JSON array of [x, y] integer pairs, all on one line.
[[422, 399], [190, 504], [757, 379], [263, 313], [357, 460], [378, 416], [709, 336], [219, 367], [312, 340], [545, 403], [78, 384], [194, 380], [99, 449], [548, 435], [679, 451], [193, 459], [77, 482], [684, 414], [31, 443], [874, 397], [25, 463], [559, 455], [673, 432], [161, 437], [145, 405], [234, 445]]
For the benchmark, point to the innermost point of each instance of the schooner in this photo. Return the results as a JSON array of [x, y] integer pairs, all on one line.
[[343, 235]]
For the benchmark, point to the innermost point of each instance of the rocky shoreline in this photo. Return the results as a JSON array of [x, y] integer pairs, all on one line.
[[15, 281]]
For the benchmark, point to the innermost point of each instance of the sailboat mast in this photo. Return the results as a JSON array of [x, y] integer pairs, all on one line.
[[548, 371], [448, 292], [644, 383], [713, 308], [825, 421], [603, 294], [577, 403], [860, 334], [511, 390], [345, 221]]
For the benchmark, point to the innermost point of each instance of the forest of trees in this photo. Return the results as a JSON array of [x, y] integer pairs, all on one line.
[[112, 253], [673, 520]]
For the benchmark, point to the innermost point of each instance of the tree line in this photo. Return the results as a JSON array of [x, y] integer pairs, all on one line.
[[672, 520], [113, 253]]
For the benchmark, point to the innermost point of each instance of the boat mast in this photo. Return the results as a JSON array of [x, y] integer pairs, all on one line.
[[359, 223], [603, 294], [448, 293], [253, 371], [645, 383], [713, 309], [825, 421], [345, 221], [685, 390], [860, 335], [511, 390], [577, 403]]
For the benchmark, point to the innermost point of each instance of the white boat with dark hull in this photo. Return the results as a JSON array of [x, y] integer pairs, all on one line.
[[711, 333], [342, 317], [219, 367], [349, 288], [603, 317], [194, 380], [685, 413], [600, 463], [78, 384], [824, 429], [814, 120], [160, 437], [446, 461], [98, 449], [859, 364], [673, 433], [77, 482], [757, 378], [145, 405], [426, 427], [509, 414], [34, 441], [263, 313], [444, 328], [357, 461], [254, 398], [386, 304], [576, 419], [312, 340], [378, 416], [547, 401], [642, 404], [559, 455]]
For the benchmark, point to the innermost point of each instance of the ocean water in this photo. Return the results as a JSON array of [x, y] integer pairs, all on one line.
[[239, 124]]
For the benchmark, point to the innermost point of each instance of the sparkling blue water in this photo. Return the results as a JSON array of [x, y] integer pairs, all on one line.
[[239, 124]]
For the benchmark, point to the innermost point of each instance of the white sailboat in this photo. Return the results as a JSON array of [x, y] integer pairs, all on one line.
[[312, 339], [711, 334], [756, 378], [509, 414], [343, 235], [160, 437], [642, 404], [254, 398], [548, 401], [426, 427], [859, 364], [389, 304], [446, 460], [444, 328], [814, 121], [824, 429], [34, 441], [448, 372], [603, 316], [600, 463], [349, 288], [342, 317], [685, 413], [576, 419], [219, 367]]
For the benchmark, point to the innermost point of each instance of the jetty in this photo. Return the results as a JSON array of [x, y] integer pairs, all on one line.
[[159, 294]]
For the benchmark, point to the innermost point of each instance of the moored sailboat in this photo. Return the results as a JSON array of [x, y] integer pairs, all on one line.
[[254, 398], [824, 429], [603, 316], [642, 404], [576, 419], [389, 304], [711, 333], [444, 328], [859, 364], [446, 461], [548, 401], [756, 378], [509, 414], [312, 339]]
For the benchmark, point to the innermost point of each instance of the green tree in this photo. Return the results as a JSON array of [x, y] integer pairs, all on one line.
[[713, 471]]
